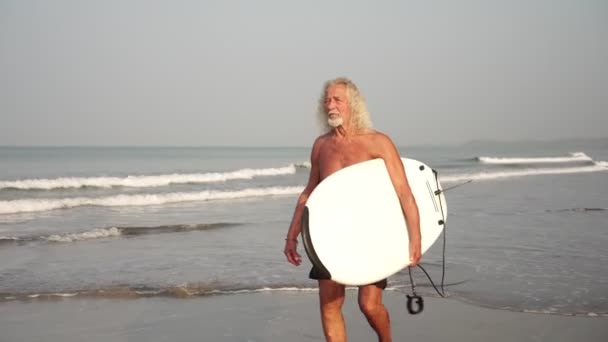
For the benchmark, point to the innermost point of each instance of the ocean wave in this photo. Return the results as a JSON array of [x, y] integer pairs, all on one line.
[[601, 163], [144, 181], [577, 210], [573, 157], [8, 240], [101, 233], [90, 235], [202, 289], [36, 205], [184, 290], [303, 165], [597, 167], [195, 289]]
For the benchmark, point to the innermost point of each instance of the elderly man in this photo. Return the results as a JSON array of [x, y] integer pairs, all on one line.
[[349, 139]]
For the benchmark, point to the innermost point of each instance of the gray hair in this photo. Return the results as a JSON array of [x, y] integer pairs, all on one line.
[[360, 119]]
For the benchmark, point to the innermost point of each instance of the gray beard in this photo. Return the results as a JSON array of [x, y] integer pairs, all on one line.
[[335, 122]]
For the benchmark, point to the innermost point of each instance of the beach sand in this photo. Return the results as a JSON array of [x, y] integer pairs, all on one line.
[[274, 316]]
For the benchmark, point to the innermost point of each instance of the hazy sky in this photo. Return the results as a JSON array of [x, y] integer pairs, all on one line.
[[250, 72]]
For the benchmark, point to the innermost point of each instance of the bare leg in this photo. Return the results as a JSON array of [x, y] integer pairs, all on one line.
[[370, 303], [331, 295]]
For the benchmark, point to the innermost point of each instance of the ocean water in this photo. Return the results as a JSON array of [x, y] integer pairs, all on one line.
[[529, 232]]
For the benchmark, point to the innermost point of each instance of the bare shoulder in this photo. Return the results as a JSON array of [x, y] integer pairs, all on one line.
[[316, 147], [380, 140], [322, 137], [320, 141]]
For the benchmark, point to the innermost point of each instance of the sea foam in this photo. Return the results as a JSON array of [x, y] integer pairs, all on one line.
[[573, 157], [144, 181], [35, 204], [479, 176], [90, 235]]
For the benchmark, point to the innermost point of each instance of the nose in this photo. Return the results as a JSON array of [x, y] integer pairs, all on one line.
[[330, 104]]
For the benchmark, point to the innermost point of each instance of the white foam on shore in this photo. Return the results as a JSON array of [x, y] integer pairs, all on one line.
[[554, 311], [11, 238], [144, 181], [90, 235], [36, 205], [480, 176], [186, 291], [304, 165], [573, 157], [64, 295], [601, 163]]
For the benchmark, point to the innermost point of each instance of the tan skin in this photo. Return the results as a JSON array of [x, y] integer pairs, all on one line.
[[339, 148]]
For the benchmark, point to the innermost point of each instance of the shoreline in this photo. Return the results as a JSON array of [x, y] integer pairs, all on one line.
[[275, 316], [201, 291]]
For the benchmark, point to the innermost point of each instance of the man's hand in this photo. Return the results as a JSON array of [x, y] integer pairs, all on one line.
[[291, 252], [415, 254]]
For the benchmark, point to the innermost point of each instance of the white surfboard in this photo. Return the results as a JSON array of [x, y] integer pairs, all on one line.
[[353, 227]]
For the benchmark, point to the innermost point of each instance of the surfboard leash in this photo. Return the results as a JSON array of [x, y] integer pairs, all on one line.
[[445, 229], [437, 192], [415, 303]]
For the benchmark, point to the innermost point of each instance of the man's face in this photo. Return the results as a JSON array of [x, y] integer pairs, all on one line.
[[336, 105]]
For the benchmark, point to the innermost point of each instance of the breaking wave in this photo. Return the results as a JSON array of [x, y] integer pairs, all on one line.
[[90, 235], [206, 289], [195, 289], [601, 163], [101, 233], [35, 205], [596, 167], [8, 240], [573, 157], [303, 165], [144, 181], [577, 210]]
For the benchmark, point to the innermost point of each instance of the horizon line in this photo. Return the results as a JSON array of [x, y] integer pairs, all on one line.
[[471, 141]]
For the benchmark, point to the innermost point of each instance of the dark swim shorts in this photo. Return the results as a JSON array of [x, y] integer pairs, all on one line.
[[316, 274]]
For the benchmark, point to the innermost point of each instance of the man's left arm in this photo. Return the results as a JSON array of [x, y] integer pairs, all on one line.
[[395, 168]]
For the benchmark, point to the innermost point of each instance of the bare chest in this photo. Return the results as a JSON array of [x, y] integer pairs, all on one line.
[[336, 156]]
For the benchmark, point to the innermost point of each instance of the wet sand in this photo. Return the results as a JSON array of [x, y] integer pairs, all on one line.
[[274, 316]]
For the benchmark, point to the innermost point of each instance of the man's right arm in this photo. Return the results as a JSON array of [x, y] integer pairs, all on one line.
[[296, 222]]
